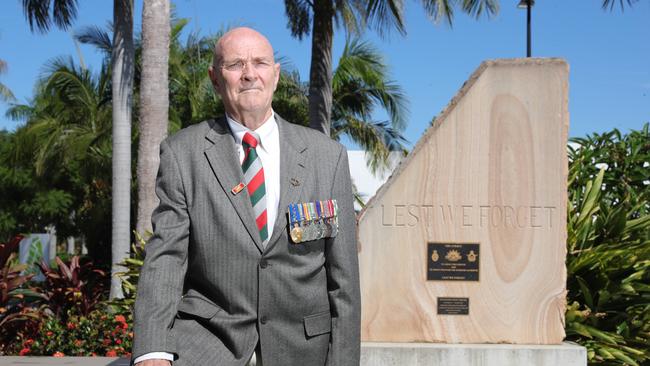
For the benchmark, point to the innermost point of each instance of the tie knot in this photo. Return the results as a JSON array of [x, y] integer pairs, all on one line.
[[250, 139]]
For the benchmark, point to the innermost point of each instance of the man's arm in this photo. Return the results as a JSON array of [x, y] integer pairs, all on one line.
[[342, 267], [165, 264]]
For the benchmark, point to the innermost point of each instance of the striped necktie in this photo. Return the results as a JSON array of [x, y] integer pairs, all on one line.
[[254, 179]]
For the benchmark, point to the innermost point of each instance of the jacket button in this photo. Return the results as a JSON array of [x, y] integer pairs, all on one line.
[[264, 263], [263, 320]]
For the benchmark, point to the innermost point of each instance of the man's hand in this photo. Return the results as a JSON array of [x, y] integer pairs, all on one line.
[[154, 363]]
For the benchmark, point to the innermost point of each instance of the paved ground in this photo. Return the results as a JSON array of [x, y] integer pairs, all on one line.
[[85, 361]]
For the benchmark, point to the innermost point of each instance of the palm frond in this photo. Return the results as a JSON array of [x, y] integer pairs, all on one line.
[[476, 8], [609, 4], [384, 15], [64, 12], [6, 94], [361, 82], [96, 36], [378, 139], [177, 28], [38, 15], [19, 112], [437, 10], [350, 15], [298, 13]]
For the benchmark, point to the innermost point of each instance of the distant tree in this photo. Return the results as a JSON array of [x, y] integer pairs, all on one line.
[[61, 157], [320, 16], [26, 203]]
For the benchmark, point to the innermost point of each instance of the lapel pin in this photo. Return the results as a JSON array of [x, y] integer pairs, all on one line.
[[295, 182], [238, 188]]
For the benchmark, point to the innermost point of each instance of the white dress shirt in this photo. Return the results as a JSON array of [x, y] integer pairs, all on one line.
[[268, 150]]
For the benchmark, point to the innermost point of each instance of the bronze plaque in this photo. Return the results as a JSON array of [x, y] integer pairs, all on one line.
[[453, 262], [453, 306]]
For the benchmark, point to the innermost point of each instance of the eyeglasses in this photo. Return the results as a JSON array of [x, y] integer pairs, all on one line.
[[239, 65]]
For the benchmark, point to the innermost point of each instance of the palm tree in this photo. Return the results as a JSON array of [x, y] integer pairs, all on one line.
[[360, 84], [154, 105], [123, 56], [323, 13], [123, 64], [382, 15]]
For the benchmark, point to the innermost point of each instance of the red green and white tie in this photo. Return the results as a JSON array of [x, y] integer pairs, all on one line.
[[254, 179]]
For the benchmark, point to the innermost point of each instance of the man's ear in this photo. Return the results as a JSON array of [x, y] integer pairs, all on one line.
[[277, 75], [213, 76]]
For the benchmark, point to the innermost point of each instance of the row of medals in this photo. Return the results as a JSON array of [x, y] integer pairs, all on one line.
[[313, 220]]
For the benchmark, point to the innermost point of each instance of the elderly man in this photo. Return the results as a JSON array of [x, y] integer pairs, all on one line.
[[253, 253]]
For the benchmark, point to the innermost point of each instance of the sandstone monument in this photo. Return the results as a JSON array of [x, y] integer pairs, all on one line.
[[466, 241]]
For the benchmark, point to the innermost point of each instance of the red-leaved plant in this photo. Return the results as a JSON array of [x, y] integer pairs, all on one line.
[[73, 286]]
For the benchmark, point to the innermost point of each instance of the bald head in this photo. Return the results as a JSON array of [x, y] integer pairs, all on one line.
[[238, 36], [245, 75]]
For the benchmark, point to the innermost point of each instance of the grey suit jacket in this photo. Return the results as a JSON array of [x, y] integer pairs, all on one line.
[[209, 290]]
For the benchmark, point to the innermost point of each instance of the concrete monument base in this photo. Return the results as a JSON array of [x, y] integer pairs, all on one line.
[[429, 354], [400, 354]]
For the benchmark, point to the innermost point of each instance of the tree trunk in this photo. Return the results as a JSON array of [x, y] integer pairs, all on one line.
[[70, 245], [122, 83], [320, 74], [84, 247], [51, 230], [154, 105]]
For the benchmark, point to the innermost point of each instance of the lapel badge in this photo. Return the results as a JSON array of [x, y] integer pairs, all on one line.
[[238, 188], [294, 182]]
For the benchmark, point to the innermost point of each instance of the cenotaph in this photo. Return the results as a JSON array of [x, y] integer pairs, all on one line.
[[466, 241]]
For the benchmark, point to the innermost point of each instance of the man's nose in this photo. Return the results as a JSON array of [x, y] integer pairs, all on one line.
[[248, 72]]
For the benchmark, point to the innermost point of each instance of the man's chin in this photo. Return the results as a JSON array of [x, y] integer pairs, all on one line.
[[251, 105], [252, 109]]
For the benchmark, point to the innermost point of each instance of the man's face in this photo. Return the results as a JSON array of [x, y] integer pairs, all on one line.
[[245, 73]]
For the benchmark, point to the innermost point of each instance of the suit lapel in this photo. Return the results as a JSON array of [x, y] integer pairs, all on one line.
[[292, 173], [221, 153]]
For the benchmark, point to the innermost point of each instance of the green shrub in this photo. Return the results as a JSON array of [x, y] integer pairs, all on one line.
[[608, 259], [98, 334], [130, 277]]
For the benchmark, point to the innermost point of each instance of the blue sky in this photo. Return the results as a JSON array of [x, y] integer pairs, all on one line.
[[608, 52]]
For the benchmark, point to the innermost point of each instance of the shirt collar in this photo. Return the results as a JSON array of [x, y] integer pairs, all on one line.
[[264, 132]]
